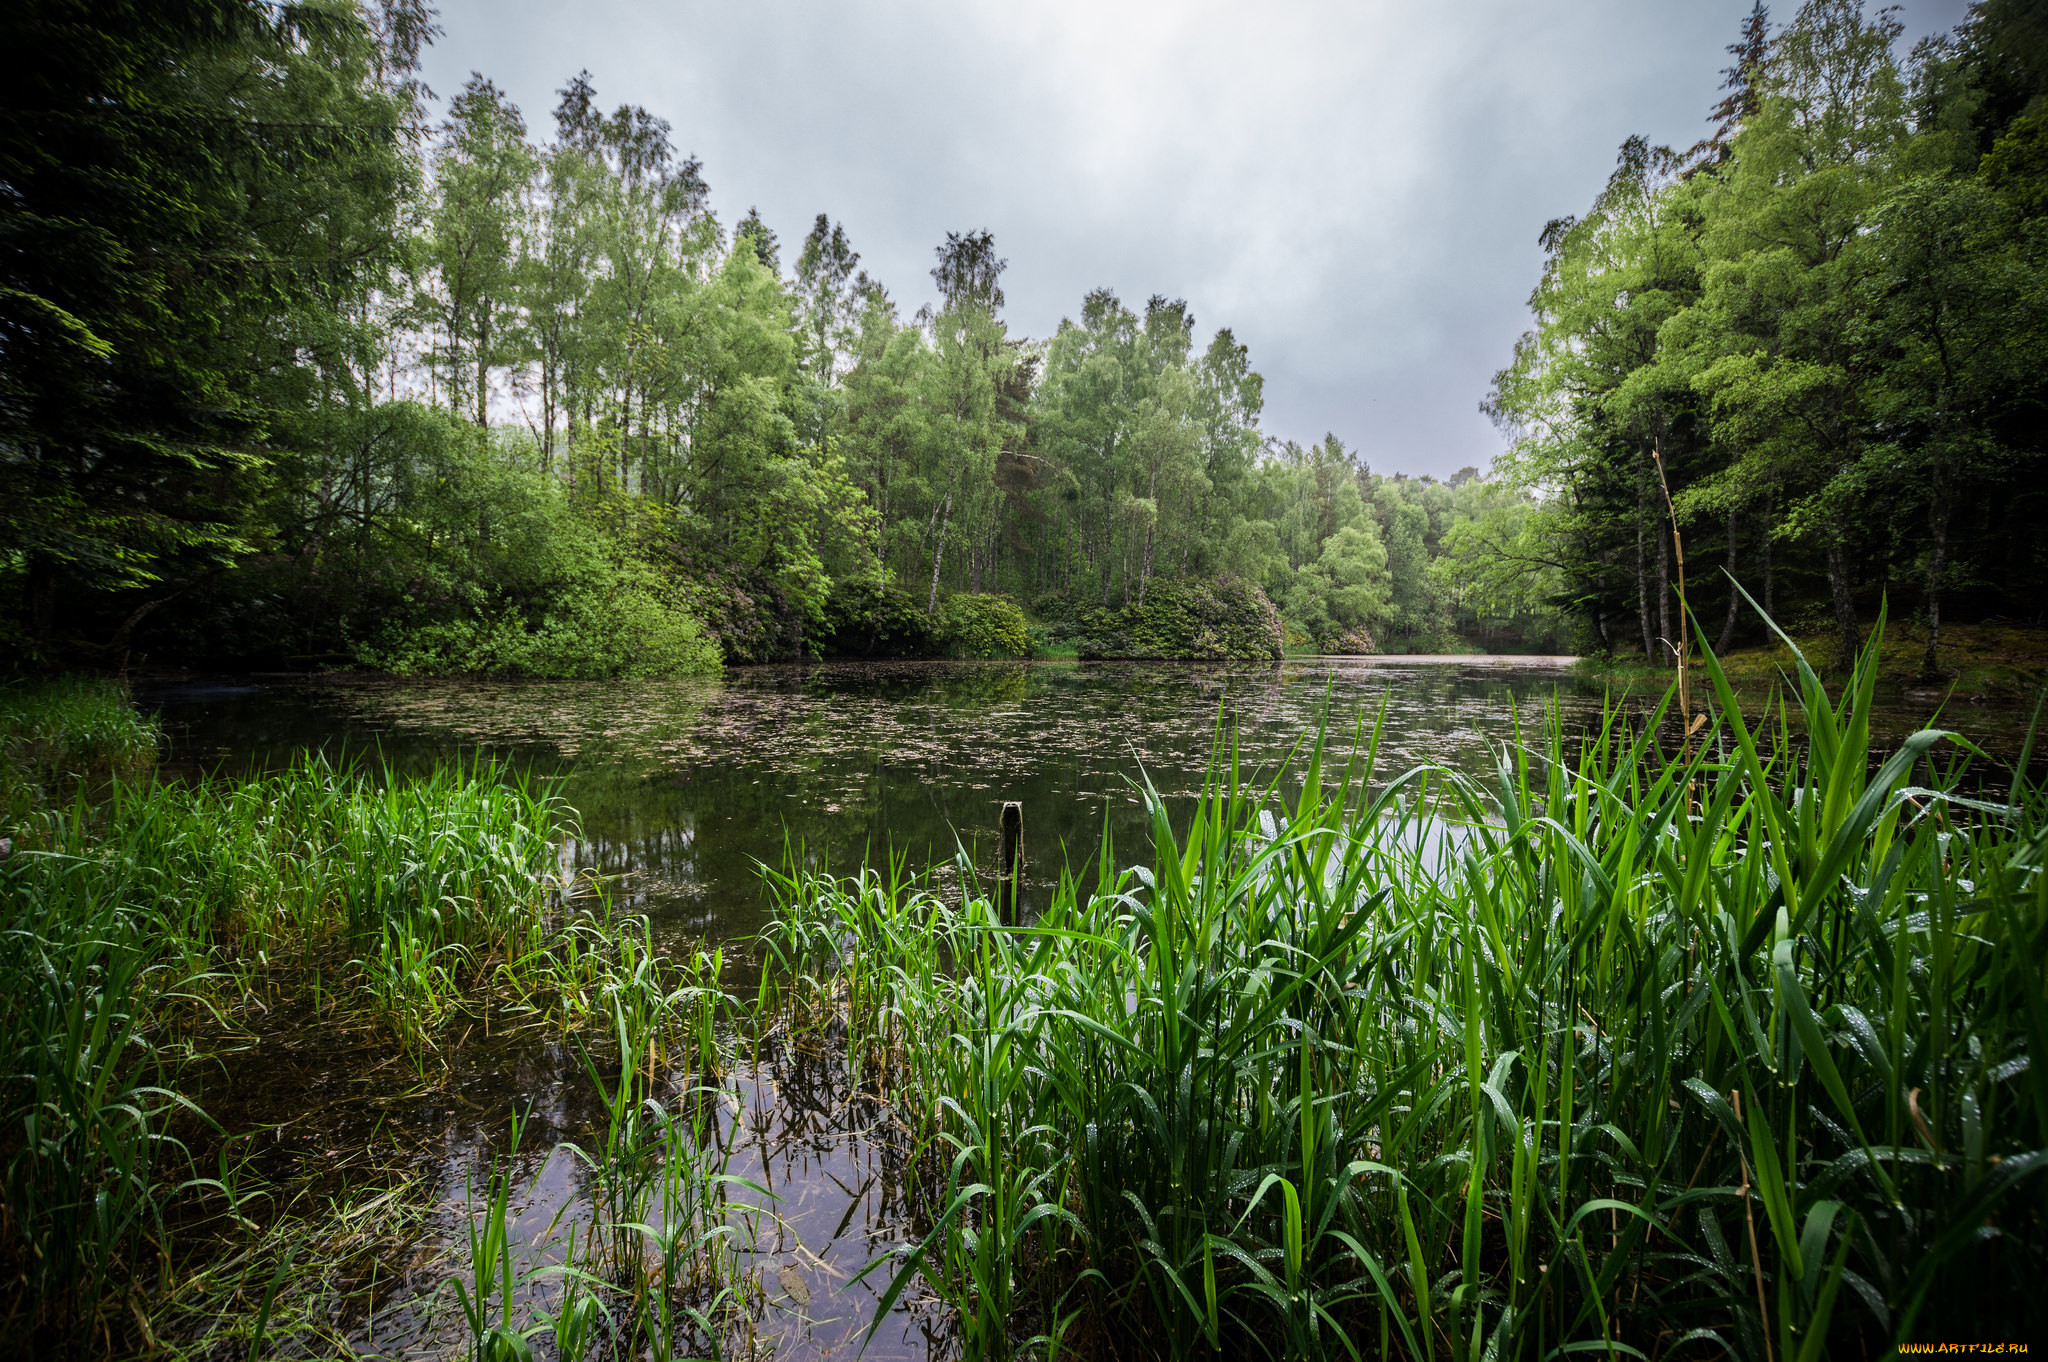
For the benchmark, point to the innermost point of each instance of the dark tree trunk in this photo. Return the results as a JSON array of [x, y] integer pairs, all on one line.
[[1847, 635], [41, 598], [931, 606], [1937, 564], [1734, 596], [1643, 584], [1770, 579], [1664, 598], [483, 375]]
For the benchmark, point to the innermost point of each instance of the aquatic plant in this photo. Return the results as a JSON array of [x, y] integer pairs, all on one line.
[[494, 1278], [89, 1160], [66, 732], [660, 1169], [575, 1322], [1681, 1034], [136, 923]]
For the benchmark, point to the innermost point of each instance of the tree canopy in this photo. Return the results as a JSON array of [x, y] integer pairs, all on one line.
[[304, 364], [1824, 329]]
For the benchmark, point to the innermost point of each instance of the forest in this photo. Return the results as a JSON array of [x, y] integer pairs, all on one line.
[[341, 380], [1816, 340], [342, 376]]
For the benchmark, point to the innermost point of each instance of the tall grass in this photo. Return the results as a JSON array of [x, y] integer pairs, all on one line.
[[666, 1233], [1619, 1049], [62, 733], [131, 922]]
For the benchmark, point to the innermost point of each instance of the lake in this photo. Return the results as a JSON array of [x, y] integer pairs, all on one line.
[[683, 785]]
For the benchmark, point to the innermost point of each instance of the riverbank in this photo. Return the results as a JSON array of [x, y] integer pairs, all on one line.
[[1988, 663]]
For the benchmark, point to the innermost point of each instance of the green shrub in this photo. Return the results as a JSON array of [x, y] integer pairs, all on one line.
[[753, 616], [1355, 642], [1227, 619], [605, 617], [866, 619], [980, 625]]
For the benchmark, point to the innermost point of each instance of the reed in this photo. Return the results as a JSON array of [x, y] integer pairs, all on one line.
[[666, 1232], [146, 921], [1716, 1048], [140, 922], [60, 734], [495, 1277]]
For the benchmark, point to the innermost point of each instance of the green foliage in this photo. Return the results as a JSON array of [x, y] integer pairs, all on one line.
[[1338, 597], [761, 444], [866, 620], [1822, 333], [59, 734], [464, 558], [1497, 569], [2017, 164], [194, 188], [1623, 1043], [1228, 619], [127, 918], [599, 618], [983, 626], [590, 357], [751, 618]]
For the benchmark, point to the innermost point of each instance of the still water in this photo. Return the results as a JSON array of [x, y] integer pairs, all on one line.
[[681, 788]]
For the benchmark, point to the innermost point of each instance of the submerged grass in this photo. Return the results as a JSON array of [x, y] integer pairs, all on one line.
[[1624, 1050]]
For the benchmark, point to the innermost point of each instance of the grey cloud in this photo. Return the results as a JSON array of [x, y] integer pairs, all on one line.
[[1355, 188]]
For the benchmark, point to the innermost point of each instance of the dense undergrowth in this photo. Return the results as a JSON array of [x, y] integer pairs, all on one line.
[[1990, 661], [1722, 1051], [1225, 619]]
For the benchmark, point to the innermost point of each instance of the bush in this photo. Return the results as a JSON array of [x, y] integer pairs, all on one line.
[[1356, 642], [606, 618], [866, 619], [1228, 619], [984, 626]]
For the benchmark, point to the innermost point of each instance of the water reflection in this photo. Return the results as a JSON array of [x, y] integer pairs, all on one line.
[[682, 786]]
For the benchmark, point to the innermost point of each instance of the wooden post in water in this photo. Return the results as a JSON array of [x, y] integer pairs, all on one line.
[[1010, 861]]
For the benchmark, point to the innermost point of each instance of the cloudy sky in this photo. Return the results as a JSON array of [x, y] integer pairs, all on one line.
[[1354, 188]]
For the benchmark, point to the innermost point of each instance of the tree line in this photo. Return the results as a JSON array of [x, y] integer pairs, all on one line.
[[301, 370], [1815, 344]]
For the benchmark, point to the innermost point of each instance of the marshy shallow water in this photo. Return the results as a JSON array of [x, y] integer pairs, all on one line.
[[682, 785], [681, 789]]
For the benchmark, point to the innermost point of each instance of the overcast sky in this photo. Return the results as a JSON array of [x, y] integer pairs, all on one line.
[[1355, 189]]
